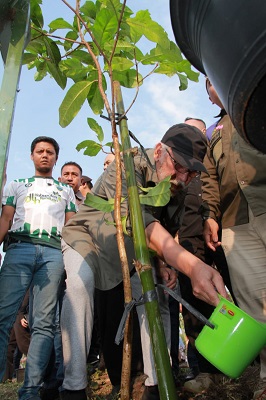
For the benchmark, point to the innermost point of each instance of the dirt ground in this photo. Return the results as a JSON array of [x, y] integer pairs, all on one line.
[[100, 387], [226, 389]]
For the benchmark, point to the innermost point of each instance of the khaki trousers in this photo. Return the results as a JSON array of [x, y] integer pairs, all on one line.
[[245, 250]]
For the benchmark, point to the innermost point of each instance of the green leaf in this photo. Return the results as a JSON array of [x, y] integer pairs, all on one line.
[[96, 128], [124, 224], [28, 58], [144, 25], [121, 64], [73, 102], [54, 70], [121, 45], [36, 46], [36, 14], [59, 23], [70, 35], [185, 67], [34, 64], [89, 9], [110, 145], [99, 204], [91, 147], [157, 196], [52, 50], [127, 78], [82, 56], [41, 71], [105, 26], [183, 81], [73, 69], [95, 99], [163, 55], [94, 96]]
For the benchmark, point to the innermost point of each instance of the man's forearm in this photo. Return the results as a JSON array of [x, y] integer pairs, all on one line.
[[4, 227]]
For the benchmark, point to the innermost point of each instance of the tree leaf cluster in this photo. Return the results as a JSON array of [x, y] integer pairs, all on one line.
[[157, 196], [127, 46]]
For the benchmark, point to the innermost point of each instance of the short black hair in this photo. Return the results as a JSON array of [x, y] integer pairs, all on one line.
[[46, 139], [72, 163], [196, 119]]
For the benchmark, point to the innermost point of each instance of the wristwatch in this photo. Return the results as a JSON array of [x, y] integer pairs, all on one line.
[[205, 217]]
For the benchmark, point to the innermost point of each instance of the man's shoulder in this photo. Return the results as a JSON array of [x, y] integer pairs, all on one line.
[[21, 181], [62, 186]]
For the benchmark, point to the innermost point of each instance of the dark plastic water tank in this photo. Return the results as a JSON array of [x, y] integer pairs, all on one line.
[[226, 40]]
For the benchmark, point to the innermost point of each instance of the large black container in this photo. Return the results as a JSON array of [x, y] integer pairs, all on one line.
[[226, 40]]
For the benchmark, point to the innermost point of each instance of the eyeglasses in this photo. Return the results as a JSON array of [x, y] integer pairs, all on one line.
[[179, 168]]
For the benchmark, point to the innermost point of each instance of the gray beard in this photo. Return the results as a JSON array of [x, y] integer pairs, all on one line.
[[176, 186]]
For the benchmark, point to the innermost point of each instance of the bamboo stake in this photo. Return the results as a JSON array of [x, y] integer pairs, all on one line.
[[161, 357]]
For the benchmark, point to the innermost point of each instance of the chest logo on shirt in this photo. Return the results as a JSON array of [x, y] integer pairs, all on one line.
[[28, 184], [35, 198]]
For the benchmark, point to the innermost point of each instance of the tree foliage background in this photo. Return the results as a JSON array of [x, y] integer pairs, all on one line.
[[104, 41]]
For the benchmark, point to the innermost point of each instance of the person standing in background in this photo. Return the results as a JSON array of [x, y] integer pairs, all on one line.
[[86, 185], [108, 160], [234, 194]]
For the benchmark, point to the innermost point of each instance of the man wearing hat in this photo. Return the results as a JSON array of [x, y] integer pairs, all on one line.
[[86, 185], [90, 249]]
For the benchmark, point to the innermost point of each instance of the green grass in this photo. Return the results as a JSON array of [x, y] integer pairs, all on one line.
[[9, 390]]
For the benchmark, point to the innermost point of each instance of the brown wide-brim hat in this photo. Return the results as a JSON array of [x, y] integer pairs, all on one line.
[[188, 144]]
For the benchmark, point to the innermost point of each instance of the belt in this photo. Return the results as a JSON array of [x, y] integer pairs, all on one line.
[[12, 240]]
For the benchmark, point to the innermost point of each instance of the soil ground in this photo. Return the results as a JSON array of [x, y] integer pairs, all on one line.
[[100, 387]]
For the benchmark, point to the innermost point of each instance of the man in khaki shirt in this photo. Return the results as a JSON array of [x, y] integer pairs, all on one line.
[[91, 255], [234, 193]]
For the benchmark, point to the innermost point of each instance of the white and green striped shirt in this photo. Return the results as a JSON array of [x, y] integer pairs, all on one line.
[[41, 204]]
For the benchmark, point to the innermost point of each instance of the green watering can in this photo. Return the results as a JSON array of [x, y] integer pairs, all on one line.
[[235, 341]]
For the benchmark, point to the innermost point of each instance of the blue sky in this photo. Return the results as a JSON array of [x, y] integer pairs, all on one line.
[[159, 105]]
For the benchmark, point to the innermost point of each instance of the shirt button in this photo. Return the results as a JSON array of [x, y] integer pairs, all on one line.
[[242, 182]]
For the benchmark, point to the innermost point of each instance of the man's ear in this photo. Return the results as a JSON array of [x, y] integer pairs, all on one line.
[[31, 157], [59, 179], [157, 151]]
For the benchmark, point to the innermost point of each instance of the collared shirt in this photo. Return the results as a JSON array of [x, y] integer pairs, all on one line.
[[237, 177], [79, 199], [92, 233]]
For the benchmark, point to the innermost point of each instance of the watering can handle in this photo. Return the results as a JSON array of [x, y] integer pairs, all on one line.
[[193, 311]]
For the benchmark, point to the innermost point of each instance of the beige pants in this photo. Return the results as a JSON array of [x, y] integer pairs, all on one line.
[[245, 250]]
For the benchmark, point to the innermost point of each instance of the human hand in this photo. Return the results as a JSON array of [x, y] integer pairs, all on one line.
[[169, 277], [207, 283], [210, 233], [24, 322]]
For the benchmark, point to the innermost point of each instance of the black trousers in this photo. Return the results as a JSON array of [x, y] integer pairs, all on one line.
[[192, 325], [110, 308]]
